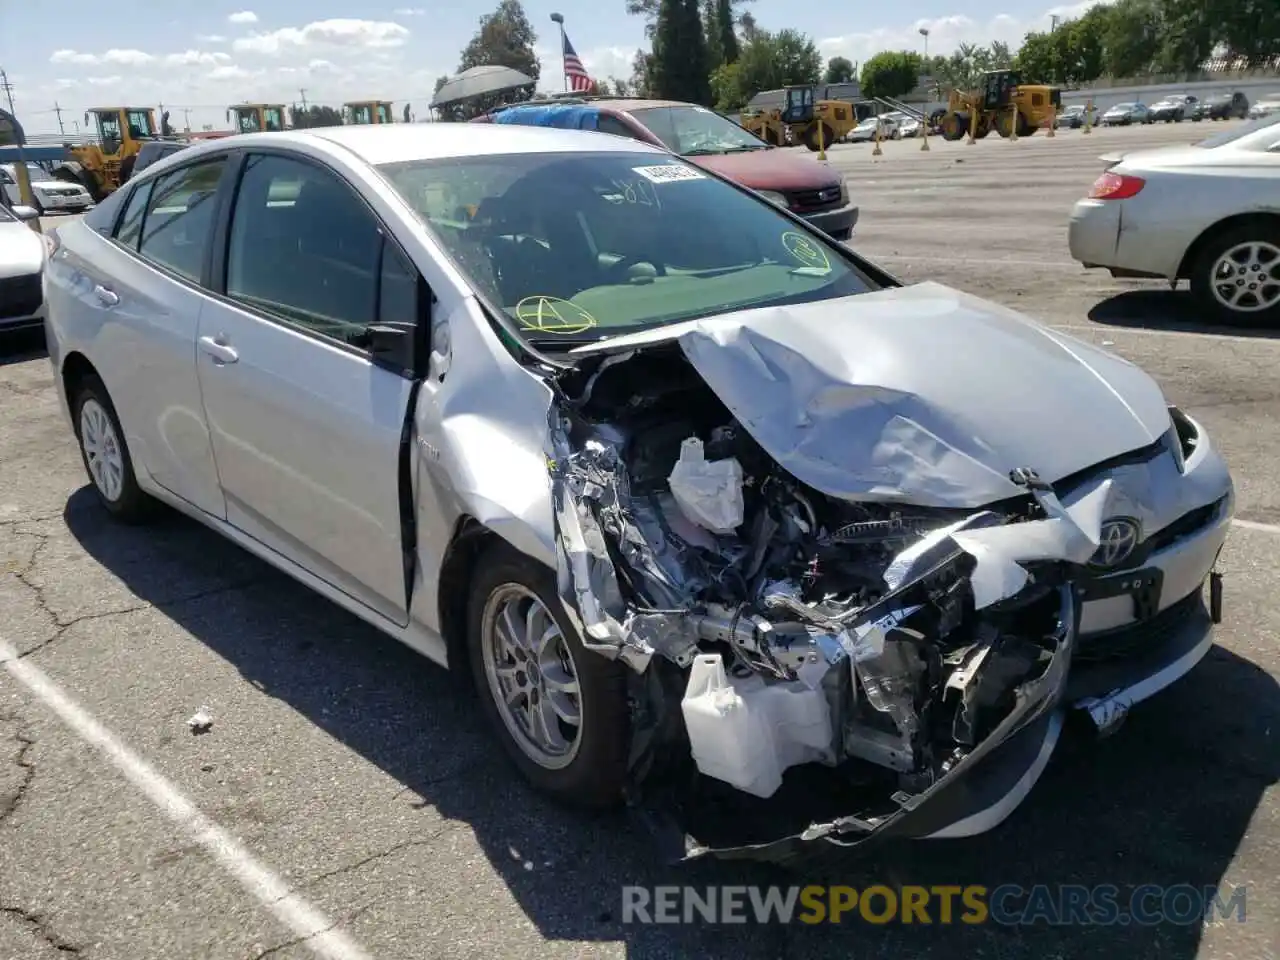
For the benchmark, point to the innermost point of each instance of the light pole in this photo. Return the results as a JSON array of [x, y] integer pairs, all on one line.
[[558, 18], [1053, 22], [924, 32]]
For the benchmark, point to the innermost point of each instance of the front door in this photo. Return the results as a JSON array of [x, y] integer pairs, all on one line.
[[306, 428]]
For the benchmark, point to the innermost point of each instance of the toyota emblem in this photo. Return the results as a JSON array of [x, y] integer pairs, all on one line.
[[1117, 540]]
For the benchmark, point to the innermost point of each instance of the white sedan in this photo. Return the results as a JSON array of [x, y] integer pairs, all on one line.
[[49, 194], [1203, 213], [700, 500], [21, 265]]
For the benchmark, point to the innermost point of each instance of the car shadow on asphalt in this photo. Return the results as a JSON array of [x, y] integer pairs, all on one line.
[[19, 346], [1172, 310], [1166, 800]]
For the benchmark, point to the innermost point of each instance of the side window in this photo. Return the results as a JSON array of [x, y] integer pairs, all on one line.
[[130, 226], [398, 296], [606, 123], [304, 247], [179, 218]]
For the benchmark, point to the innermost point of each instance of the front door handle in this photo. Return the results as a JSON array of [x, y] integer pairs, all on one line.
[[108, 298], [220, 351]]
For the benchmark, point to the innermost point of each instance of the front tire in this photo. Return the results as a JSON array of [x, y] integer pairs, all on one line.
[[106, 455], [559, 709], [1236, 276]]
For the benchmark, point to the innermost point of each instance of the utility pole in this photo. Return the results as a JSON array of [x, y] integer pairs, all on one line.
[[58, 110], [186, 119], [1053, 22], [303, 91], [7, 87]]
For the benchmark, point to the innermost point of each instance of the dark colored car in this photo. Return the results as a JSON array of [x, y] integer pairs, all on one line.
[[151, 152], [1175, 109], [807, 188], [1226, 106]]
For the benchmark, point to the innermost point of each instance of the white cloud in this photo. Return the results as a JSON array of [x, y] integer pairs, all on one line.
[[191, 58], [947, 33], [130, 58], [409, 11], [244, 16], [211, 38], [320, 65], [341, 32], [228, 72], [103, 81]]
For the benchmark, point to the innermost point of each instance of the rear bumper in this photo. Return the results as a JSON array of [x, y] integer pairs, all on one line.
[[837, 224]]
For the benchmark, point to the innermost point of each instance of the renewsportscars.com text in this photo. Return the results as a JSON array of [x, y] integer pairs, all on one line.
[[1006, 905]]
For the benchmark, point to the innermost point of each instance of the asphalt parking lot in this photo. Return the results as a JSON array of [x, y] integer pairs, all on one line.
[[350, 787]]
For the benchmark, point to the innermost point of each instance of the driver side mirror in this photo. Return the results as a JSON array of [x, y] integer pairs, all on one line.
[[25, 213], [390, 345]]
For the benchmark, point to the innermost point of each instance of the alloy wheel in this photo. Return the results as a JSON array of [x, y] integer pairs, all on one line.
[[102, 451], [1246, 277]]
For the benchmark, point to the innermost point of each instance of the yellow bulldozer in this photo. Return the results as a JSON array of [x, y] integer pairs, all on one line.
[[257, 117], [101, 167], [1004, 104], [800, 119], [367, 111]]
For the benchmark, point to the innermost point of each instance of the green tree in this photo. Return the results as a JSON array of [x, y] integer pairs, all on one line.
[[505, 38], [678, 69], [839, 70], [768, 61], [1131, 38], [726, 35], [890, 74]]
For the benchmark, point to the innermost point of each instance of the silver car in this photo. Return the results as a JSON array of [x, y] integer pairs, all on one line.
[[1124, 114], [707, 506], [1202, 213], [22, 253]]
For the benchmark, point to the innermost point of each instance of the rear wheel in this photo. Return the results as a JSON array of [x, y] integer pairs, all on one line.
[[811, 137], [559, 709], [106, 455], [1236, 276]]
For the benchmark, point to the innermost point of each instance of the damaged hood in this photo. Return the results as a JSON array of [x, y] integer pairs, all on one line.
[[919, 394]]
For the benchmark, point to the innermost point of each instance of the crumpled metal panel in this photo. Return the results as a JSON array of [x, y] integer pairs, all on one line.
[[919, 394]]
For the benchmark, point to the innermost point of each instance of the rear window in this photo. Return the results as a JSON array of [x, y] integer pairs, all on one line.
[[579, 247]]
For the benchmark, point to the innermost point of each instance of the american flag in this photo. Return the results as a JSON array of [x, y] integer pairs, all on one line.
[[575, 74]]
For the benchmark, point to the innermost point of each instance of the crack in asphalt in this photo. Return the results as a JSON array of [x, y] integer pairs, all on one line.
[[380, 855], [61, 626], [293, 942], [40, 927], [9, 805]]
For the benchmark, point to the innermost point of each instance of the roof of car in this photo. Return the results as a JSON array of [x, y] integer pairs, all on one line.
[[398, 142]]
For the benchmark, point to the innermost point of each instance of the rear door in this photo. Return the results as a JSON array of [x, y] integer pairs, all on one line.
[[134, 291], [306, 426]]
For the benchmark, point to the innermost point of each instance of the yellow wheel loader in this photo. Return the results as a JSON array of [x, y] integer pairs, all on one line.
[[1003, 104], [799, 120], [367, 111], [256, 117], [101, 167]]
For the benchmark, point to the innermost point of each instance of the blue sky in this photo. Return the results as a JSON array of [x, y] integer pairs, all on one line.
[[196, 60]]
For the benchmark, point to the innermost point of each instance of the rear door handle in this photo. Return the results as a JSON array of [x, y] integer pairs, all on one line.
[[108, 298], [221, 352]]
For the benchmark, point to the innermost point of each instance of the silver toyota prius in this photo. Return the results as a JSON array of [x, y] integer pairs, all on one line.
[[720, 518]]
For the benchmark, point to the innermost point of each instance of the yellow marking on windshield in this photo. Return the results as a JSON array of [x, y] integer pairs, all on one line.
[[553, 315], [806, 250]]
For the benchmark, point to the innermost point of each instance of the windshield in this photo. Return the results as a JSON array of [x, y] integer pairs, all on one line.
[[1244, 130], [580, 247], [1123, 106], [696, 131], [5, 215]]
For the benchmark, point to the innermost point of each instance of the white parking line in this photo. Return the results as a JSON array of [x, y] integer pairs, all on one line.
[[307, 922], [1258, 527], [1189, 335]]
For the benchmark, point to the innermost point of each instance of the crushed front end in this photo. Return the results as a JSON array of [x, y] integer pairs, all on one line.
[[805, 669]]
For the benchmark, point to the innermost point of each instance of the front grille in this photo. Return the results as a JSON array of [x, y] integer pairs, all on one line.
[[1136, 638], [20, 296], [808, 201]]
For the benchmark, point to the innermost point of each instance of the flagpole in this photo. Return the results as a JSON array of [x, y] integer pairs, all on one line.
[[559, 19]]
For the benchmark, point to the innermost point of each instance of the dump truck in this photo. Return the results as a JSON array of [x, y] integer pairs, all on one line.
[[1004, 103], [367, 111], [801, 118], [256, 117]]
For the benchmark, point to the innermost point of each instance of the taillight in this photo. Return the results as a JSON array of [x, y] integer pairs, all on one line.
[[1116, 186]]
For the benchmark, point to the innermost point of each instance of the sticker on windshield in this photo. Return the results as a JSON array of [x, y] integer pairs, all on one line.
[[806, 251], [669, 173], [553, 315]]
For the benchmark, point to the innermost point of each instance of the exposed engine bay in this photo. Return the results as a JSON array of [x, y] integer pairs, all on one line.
[[790, 628]]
